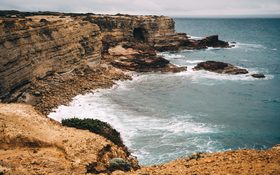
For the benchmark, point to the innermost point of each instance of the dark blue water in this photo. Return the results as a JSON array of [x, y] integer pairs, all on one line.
[[165, 116]]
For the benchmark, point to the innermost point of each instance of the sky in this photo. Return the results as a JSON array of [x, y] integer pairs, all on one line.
[[152, 7]]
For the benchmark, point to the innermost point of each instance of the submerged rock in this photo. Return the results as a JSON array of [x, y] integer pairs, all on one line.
[[220, 67], [258, 75]]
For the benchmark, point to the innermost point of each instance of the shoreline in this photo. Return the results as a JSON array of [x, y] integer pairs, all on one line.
[[132, 78], [75, 54], [85, 82]]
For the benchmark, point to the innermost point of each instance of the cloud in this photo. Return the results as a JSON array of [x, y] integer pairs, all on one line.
[[159, 7]]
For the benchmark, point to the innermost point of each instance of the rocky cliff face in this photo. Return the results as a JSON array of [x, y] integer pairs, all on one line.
[[36, 46], [118, 28], [156, 31]]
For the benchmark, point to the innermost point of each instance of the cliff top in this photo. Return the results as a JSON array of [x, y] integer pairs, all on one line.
[[20, 14], [33, 144]]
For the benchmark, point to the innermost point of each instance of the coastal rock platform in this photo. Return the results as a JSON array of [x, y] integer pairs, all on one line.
[[220, 67]]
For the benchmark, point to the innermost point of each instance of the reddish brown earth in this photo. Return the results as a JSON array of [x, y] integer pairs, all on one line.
[[231, 162]]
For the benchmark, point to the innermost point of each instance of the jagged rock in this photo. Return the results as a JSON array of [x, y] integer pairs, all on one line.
[[156, 64], [212, 41], [259, 75], [220, 67], [119, 164], [141, 60]]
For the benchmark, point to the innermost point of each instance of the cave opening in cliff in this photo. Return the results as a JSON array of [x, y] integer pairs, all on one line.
[[140, 34]]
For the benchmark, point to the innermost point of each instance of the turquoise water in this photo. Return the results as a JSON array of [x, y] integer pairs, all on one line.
[[165, 116]]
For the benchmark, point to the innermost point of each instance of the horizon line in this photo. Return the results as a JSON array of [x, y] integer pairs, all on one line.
[[170, 15]]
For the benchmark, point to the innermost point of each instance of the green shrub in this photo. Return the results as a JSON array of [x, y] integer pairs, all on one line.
[[96, 126]]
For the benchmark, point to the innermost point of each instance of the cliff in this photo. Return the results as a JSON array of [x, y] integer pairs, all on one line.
[[119, 28], [38, 46], [35, 45], [156, 31]]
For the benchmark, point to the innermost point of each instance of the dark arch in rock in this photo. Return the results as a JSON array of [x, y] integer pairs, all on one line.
[[140, 34]]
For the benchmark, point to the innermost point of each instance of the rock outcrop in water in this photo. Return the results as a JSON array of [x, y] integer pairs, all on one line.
[[220, 67], [258, 75], [141, 60]]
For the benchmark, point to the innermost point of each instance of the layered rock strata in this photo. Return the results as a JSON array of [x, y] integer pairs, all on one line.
[[38, 46], [34, 45], [141, 61], [156, 31]]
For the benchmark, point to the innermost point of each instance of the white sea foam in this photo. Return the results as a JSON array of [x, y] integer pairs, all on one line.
[[193, 61], [195, 37], [171, 56], [249, 45], [129, 121], [140, 126], [201, 75], [214, 48]]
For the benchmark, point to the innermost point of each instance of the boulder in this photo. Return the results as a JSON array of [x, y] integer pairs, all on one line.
[[119, 164], [258, 75], [220, 67], [212, 41]]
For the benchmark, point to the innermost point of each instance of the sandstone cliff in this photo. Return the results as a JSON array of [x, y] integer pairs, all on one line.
[[118, 28], [36, 46]]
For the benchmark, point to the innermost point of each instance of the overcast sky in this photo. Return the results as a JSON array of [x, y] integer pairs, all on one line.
[[158, 7]]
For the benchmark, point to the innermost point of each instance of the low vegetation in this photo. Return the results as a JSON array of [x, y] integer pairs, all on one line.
[[96, 126]]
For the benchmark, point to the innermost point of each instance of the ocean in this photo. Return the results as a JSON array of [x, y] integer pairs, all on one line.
[[162, 117]]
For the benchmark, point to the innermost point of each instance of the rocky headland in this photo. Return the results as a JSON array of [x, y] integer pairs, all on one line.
[[47, 58], [54, 48]]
